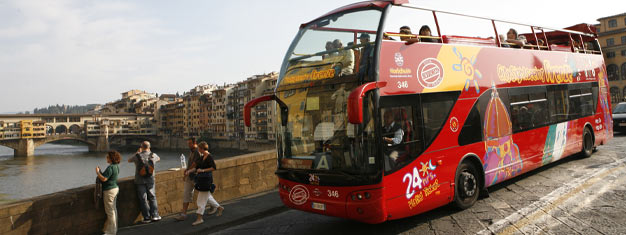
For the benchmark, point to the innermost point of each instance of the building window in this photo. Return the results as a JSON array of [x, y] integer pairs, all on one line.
[[624, 92], [623, 71], [623, 39], [623, 52], [610, 42], [610, 54], [612, 23], [612, 72], [615, 95]]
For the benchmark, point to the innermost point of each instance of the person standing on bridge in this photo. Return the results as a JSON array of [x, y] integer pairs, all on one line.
[[145, 183], [204, 166], [110, 190], [189, 179]]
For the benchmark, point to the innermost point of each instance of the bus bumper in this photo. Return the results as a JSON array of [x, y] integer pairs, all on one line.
[[360, 203]]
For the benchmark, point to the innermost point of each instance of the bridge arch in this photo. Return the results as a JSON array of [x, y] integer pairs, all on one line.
[[60, 129], [63, 137], [75, 129]]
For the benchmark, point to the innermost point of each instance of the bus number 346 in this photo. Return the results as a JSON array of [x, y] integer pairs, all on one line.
[[403, 84], [414, 181], [333, 193]]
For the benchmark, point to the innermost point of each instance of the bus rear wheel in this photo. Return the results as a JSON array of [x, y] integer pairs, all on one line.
[[466, 186], [587, 143]]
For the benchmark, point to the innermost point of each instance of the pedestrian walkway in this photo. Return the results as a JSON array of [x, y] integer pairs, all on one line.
[[235, 212]]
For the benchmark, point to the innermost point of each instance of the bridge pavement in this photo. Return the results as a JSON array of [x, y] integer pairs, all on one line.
[[572, 196]]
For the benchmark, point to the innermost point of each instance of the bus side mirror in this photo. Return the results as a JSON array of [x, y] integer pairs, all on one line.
[[355, 101], [248, 108]]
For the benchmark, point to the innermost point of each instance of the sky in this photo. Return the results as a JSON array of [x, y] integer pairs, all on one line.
[[82, 52]]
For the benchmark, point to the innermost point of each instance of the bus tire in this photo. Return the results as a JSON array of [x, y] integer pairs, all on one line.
[[466, 185], [587, 149]]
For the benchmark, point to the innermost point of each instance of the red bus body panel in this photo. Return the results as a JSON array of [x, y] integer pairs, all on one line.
[[433, 67]]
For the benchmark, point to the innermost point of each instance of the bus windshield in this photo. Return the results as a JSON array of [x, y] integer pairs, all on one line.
[[336, 46], [318, 137]]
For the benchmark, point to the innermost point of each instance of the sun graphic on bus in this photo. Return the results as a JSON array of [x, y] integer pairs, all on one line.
[[467, 66]]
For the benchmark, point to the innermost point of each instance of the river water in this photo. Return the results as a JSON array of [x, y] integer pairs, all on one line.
[[57, 167]]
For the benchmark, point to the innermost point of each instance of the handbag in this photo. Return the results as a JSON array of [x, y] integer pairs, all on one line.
[[204, 182], [97, 193]]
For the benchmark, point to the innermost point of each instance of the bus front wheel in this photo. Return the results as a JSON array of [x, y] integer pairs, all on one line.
[[466, 186]]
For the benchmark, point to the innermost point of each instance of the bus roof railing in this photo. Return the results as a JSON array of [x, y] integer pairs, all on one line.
[[497, 20]]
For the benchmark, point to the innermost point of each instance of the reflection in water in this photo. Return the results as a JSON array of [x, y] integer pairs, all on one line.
[[59, 167]]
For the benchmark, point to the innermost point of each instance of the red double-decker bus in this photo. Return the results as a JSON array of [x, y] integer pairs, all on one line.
[[379, 121]]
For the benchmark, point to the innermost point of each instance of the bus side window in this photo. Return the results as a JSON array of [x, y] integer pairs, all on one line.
[[538, 107], [586, 100], [400, 144], [574, 101], [558, 103], [472, 128], [520, 115]]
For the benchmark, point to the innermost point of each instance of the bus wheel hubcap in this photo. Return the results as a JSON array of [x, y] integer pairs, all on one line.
[[469, 184]]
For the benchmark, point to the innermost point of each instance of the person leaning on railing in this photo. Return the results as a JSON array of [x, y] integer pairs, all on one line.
[[110, 190], [514, 40]]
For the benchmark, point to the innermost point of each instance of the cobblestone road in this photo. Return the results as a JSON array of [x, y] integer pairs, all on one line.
[[572, 196]]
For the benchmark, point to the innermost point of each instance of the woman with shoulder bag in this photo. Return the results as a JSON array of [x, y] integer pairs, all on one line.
[[204, 168]]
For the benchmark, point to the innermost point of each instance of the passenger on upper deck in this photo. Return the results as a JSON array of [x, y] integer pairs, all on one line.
[[329, 47], [367, 53], [425, 31], [512, 37], [346, 62], [540, 42], [405, 30]]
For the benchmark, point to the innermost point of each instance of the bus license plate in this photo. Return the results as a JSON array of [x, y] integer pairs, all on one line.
[[319, 206]]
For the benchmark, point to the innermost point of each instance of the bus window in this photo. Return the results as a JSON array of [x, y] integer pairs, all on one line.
[[574, 101], [417, 20], [472, 128], [538, 107], [330, 47], [398, 136], [558, 104], [581, 100], [520, 115], [435, 110]]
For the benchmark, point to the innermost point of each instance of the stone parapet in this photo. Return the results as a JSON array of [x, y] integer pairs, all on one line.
[[74, 212]]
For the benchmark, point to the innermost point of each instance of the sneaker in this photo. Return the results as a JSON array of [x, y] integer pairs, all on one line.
[[156, 218], [198, 222], [181, 217], [219, 211], [145, 221], [212, 211]]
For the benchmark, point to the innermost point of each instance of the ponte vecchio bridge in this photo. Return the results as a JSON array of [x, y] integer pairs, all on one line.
[[24, 132]]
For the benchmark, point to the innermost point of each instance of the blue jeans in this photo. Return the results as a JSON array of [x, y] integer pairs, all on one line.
[[147, 200]]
